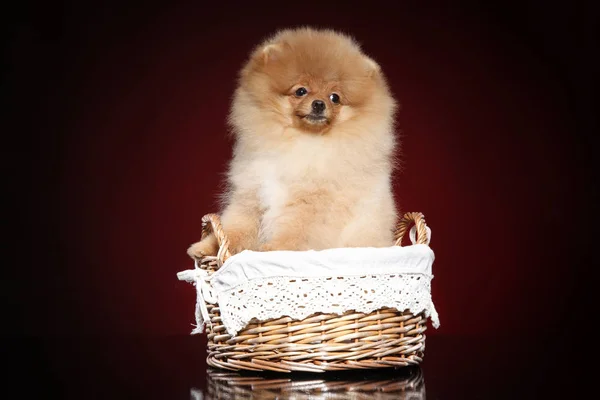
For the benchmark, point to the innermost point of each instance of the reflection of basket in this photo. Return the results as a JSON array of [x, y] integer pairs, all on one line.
[[321, 342], [408, 385]]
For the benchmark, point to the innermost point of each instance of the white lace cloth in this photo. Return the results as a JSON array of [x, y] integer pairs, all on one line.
[[265, 285]]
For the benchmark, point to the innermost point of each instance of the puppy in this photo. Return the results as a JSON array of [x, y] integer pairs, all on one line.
[[312, 119]]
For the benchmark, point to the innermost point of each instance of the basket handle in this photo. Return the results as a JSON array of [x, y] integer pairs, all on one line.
[[212, 223], [423, 235]]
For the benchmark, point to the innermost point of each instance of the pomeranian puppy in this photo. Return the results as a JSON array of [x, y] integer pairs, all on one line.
[[312, 118]]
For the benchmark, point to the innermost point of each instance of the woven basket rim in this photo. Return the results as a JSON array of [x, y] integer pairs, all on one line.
[[211, 223]]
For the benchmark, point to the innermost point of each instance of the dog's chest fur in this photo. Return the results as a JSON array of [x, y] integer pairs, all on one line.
[[283, 175]]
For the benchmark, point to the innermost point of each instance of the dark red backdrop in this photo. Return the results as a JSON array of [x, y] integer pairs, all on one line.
[[121, 146]]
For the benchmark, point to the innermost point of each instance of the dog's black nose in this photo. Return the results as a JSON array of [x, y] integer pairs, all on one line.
[[318, 106]]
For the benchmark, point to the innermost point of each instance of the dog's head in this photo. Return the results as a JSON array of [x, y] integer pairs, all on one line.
[[311, 80]]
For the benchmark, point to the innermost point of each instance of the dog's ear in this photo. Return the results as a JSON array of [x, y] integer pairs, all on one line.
[[263, 57], [372, 67], [270, 52]]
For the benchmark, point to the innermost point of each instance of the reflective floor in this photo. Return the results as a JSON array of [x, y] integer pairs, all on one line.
[[407, 383], [174, 368]]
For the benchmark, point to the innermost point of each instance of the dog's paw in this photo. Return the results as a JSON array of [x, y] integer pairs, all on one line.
[[197, 251], [203, 248]]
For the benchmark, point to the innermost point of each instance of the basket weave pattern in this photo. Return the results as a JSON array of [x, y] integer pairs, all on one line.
[[321, 342]]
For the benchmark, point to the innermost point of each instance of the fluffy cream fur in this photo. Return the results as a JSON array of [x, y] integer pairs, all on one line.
[[299, 182]]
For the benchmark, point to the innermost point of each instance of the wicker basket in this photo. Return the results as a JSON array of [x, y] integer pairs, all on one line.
[[321, 342]]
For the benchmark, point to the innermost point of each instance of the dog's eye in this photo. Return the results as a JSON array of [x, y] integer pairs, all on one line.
[[301, 92], [335, 98]]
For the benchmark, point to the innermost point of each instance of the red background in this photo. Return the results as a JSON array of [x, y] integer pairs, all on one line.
[[120, 148]]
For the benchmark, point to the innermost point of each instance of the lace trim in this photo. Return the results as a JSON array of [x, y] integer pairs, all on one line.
[[297, 298]]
